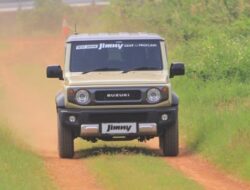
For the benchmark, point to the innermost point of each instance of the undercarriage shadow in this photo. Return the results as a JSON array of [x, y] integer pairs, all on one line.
[[115, 150]]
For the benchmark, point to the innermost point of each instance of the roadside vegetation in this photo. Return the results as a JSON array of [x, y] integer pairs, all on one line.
[[20, 168], [212, 38], [131, 166]]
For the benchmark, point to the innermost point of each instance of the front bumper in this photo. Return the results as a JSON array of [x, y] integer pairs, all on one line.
[[150, 118]]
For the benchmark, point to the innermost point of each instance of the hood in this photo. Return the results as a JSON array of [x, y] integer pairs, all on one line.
[[116, 78]]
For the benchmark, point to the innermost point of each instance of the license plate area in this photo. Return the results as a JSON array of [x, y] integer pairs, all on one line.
[[119, 128]]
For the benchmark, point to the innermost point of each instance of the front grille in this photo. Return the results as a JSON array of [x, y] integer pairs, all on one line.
[[118, 95], [117, 117]]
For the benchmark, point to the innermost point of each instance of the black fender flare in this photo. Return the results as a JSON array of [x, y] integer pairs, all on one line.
[[175, 99], [60, 103]]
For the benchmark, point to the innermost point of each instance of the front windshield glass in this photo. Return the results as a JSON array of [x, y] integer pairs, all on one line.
[[115, 56]]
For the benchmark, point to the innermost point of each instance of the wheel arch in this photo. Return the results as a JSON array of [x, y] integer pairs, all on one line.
[[175, 99], [60, 103]]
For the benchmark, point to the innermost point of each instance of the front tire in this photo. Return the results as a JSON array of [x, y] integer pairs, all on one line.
[[169, 141], [65, 141]]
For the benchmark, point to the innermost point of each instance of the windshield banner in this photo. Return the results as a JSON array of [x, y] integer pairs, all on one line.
[[119, 46]]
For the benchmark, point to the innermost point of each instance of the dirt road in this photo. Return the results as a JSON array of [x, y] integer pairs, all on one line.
[[31, 112], [32, 116]]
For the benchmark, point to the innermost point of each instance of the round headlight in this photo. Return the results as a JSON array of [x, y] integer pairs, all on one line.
[[153, 96], [82, 97]]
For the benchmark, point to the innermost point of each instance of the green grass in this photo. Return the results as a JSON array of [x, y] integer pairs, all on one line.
[[212, 39], [130, 166], [20, 169], [215, 122]]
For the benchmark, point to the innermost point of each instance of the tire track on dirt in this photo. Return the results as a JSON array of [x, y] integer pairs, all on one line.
[[34, 121], [202, 171]]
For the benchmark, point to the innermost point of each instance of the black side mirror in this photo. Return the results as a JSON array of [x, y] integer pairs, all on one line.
[[177, 69], [55, 71]]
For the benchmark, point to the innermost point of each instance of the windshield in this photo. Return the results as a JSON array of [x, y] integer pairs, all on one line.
[[115, 56]]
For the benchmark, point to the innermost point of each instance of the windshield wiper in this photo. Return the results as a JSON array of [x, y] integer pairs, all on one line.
[[141, 69], [102, 69]]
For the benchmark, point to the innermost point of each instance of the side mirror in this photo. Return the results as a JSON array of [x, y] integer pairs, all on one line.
[[177, 69], [55, 71]]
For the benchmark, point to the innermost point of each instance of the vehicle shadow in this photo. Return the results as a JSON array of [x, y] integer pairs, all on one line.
[[115, 150]]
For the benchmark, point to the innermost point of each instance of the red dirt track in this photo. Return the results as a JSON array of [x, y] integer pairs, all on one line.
[[32, 116], [202, 171], [34, 121]]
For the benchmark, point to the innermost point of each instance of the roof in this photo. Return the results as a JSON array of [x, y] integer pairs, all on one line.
[[114, 36]]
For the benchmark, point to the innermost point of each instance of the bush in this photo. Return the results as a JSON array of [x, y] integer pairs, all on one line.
[[217, 57], [211, 37]]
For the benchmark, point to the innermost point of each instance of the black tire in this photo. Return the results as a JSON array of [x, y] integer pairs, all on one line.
[[169, 141], [161, 140], [65, 141]]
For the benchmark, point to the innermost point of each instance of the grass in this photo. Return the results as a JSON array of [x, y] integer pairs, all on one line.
[[215, 122], [129, 166], [212, 39], [20, 169]]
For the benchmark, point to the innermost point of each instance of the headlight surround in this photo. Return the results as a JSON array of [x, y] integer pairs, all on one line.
[[82, 97], [154, 96]]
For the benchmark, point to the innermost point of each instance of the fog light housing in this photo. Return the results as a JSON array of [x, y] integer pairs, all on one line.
[[164, 117], [72, 119]]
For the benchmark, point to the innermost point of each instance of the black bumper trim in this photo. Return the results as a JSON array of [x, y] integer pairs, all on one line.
[[98, 116]]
